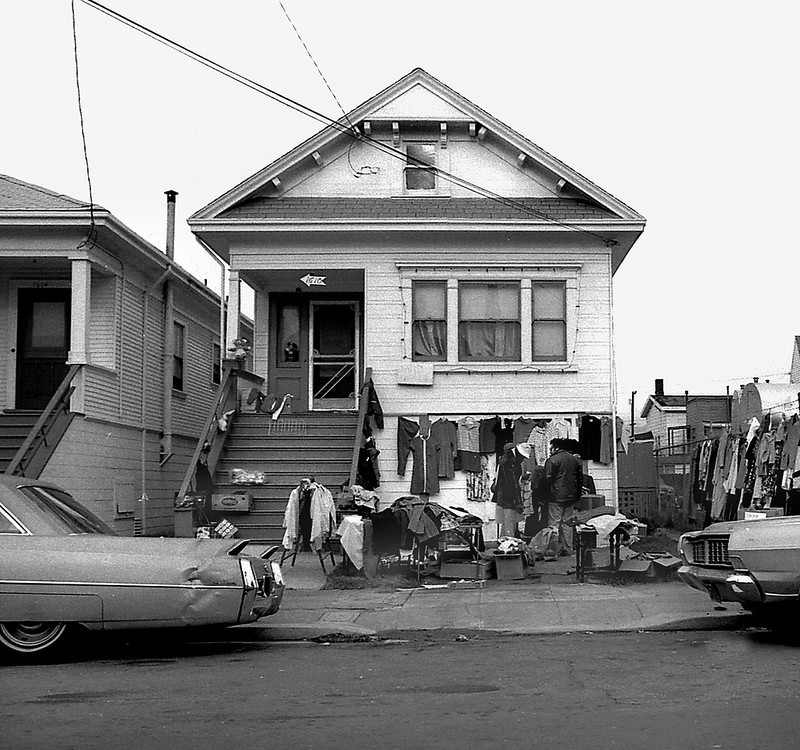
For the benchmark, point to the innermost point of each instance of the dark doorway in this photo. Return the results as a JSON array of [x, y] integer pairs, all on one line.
[[43, 326]]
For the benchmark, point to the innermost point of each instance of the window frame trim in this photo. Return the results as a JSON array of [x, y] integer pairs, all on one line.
[[523, 273]]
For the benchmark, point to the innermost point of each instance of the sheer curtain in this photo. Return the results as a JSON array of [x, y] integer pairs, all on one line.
[[489, 327], [430, 339]]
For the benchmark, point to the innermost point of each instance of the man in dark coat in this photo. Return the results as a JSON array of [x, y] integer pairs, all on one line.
[[564, 475]]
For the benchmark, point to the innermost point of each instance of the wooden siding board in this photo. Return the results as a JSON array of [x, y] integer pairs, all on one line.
[[94, 455]]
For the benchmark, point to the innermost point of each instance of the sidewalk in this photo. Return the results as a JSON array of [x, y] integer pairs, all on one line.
[[551, 601]]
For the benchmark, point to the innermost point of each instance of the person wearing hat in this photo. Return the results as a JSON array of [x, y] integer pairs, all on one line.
[[564, 475]]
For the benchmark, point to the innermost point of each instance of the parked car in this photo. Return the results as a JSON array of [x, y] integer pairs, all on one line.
[[755, 563], [62, 567]]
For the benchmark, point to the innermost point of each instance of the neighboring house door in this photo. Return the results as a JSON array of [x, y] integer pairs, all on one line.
[[43, 325], [315, 352]]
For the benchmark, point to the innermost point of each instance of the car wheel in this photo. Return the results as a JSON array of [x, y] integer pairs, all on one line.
[[31, 637]]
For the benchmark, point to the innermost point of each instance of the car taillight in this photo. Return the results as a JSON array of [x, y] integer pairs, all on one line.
[[248, 575]]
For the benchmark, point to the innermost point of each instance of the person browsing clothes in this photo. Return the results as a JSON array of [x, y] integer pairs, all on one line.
[[564, 475]]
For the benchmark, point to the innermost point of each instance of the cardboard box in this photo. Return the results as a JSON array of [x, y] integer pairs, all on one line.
[[751, 514], [509, 567], [479, 570], [239, 501]]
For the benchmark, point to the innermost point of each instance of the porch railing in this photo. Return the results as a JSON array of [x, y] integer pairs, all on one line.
[[50, 427], [212, 439], [363, 402]]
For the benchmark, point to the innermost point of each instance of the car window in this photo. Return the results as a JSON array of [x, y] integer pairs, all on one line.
[[62, 510], [7, 526]]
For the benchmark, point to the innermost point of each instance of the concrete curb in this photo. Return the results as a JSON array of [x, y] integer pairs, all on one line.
[[287, 632]]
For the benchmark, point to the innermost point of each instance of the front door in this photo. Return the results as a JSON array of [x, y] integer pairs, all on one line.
[[333, 364], [43, 324]]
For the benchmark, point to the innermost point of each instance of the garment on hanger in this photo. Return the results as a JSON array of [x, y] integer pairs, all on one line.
[[321, 509], [411, 438], [444, 435], [589, 437], [487, 430]]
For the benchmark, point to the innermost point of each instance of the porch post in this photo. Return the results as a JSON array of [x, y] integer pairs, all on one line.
[[234, 310], [79, 315]]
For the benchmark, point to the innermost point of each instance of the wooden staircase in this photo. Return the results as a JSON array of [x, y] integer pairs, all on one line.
[[14, 428], [317, 444]]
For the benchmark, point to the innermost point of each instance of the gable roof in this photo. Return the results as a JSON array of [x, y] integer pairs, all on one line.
[[439, 102], [16, 195]]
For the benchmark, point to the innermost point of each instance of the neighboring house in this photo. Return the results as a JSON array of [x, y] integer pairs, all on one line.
[[395, 251], [665, 418], [707, 416], [91, 306]]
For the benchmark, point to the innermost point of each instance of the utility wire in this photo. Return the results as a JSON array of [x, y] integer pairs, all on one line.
[[338, 125], [90, 238], [311, 57]]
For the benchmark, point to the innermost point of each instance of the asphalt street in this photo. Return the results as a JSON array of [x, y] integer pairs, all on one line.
[[437, 689]]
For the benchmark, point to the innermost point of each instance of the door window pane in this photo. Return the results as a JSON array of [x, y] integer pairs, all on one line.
[[47, 331], [334, 330], [288, 334]]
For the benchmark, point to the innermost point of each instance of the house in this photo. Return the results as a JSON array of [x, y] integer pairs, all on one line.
[[665, 417], [424, 240], [114, 357]]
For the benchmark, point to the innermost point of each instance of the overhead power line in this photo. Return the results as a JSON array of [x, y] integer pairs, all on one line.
[[342, 127], [90, 239]]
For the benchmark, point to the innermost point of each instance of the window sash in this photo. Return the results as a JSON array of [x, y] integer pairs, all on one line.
[[549, 321], [420, 170], [489, 321], [179, 338], [429, 321]]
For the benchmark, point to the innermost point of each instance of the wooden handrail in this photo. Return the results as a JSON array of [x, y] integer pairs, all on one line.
[[210, 428], [362, 415], [58, 400]]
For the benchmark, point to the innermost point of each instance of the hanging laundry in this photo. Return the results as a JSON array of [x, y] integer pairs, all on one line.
[[444, 436], [412, 439]]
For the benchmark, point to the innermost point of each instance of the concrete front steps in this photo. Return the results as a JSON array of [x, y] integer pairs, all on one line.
[[315, 444]]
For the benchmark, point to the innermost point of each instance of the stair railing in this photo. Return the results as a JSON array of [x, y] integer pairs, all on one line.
[[212, 438], [363, 402], [48, 430]]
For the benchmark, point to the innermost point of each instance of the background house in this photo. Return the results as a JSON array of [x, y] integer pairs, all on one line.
[[126, 341], [425, 241]]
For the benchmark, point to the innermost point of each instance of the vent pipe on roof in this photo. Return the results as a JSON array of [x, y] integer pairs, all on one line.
[[170, 223]]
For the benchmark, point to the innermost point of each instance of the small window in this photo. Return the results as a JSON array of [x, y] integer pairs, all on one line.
[[421, 166], [489, 325], [549, 321], [216, 368], [179, 342], [429, 328]]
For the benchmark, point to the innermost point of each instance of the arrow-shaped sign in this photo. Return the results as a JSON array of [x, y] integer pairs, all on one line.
[[310, 280]]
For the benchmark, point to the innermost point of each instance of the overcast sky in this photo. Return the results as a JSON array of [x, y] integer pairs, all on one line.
[[686, 111]]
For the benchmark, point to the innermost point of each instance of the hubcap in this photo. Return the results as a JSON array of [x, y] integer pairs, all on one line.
[[30, 636]]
